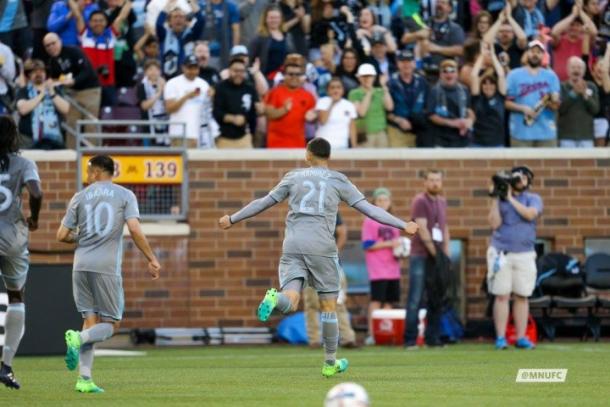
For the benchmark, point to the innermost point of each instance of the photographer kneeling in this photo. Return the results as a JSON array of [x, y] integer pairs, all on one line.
[[511, 258]]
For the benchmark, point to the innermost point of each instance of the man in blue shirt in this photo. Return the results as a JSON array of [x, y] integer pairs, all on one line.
[[533, 99], [409, 91], [511, 258]]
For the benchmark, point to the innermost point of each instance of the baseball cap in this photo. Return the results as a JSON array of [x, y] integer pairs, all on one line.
[[239, 50], [536, 43], [405, 55], [448, 62], [377, 38], [366, 70], [190, 61], [381, 191]]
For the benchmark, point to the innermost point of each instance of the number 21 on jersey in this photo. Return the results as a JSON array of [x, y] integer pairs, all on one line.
[[309, 203]]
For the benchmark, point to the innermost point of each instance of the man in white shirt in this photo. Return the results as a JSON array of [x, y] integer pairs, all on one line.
[[336, 116], [187, 101]]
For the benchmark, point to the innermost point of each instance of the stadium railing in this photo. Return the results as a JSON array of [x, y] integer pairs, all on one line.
[[156, 174]]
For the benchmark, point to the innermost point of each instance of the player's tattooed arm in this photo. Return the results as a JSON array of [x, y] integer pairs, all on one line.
[[252, 209]]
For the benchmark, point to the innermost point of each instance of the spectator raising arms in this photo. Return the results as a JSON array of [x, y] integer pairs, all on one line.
[[509, 38], [337, 117], [177, 36], [488, 96], [98, 42], [568, 39], [61, 19]]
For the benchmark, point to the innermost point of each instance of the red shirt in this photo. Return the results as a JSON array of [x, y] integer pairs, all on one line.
[[562, 53], [435, 212], [289, 130], [100, 51]]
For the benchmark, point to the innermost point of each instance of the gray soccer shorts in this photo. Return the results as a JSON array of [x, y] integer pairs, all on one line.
[[97, 293], [14, 270], [320, 272], [14, 255]]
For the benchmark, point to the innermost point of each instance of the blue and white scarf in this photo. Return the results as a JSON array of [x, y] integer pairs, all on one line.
[[45, 120]]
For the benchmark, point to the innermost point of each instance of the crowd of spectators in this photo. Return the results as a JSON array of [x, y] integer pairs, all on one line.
[[263, 73]]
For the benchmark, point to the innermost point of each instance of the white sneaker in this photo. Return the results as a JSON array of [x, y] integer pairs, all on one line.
[[369, 341]]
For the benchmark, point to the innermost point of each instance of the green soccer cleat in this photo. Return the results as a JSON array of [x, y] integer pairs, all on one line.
[[267, 305], [87, 386], [72, 349], [340, 366]]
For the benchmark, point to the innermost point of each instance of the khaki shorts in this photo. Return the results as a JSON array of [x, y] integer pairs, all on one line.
[[320, 272], [532, 143], [376, 140], [226, 142], [511, 272], [399, 138]]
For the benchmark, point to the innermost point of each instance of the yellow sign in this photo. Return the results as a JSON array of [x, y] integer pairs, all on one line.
[[143, 169]]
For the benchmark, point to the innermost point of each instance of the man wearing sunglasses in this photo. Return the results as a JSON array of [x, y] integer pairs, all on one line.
[[451, 119], [287, 107]]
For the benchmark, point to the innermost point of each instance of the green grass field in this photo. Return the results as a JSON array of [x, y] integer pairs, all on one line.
[[461, 375]]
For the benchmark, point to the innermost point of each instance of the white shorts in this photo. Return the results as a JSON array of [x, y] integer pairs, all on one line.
[[511, 272], [600, 127]]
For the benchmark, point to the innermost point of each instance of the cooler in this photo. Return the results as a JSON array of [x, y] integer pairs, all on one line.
[[389, 326]]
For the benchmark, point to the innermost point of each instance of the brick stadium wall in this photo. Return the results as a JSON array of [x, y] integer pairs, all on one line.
[[214, 277]]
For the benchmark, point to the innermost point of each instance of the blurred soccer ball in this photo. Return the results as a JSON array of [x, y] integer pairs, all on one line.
[[347, 395], [404, 249]]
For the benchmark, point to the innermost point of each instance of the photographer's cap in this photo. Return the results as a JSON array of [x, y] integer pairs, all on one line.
[[190, 60], [522, 169]]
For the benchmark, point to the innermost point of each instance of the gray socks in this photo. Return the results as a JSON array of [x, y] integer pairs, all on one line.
[[330, 336], [97, 333], [283, 303], [86, 360], [14, 327]]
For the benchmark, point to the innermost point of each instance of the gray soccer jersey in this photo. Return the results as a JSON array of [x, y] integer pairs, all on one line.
[[98, 214], [313, 196], [12, 222]]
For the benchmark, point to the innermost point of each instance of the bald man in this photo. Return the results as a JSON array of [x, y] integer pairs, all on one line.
[[579, 105], [69, 66]]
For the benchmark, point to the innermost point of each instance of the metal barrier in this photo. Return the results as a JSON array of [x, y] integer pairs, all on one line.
[[157, 175]]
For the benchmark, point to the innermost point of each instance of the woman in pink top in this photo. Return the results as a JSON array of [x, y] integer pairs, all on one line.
[[384, 269]]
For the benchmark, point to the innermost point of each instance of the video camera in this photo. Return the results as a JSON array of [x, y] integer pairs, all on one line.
[[502, 179]]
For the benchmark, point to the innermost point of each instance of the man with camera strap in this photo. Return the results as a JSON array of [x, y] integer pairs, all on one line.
[[511, 258]]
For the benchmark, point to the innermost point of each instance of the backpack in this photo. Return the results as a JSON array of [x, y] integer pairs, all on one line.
[[559, 274]]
